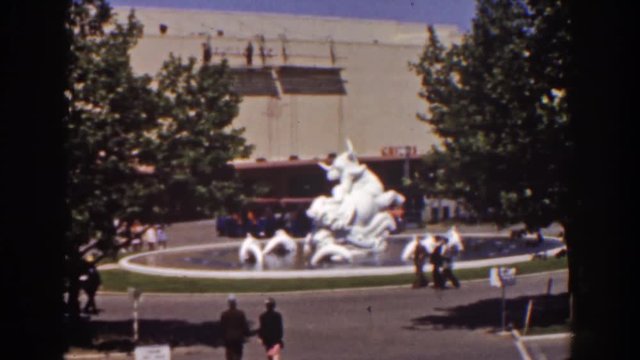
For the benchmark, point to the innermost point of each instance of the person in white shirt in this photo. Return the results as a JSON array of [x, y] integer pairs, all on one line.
[[150, 237]]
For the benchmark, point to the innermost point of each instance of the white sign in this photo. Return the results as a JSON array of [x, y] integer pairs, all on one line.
[[399, 151], [134, 293], [153, 352], [502, 276], [494, 279], [508, 276]]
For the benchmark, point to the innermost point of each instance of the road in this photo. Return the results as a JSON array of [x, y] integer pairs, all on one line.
[[402, 323]]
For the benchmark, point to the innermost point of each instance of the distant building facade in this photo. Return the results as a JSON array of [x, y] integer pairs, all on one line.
[[308, 83]]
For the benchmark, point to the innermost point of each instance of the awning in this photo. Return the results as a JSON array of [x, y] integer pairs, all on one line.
[[245, 165]]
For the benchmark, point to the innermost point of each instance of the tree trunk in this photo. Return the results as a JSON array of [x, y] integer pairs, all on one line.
[[594, 287]]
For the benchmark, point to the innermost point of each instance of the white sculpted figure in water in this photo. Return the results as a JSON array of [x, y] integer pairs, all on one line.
[[353, 220], [251, 251], [354, 216]]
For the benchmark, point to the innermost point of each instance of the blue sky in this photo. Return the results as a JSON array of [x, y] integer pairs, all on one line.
[[457, 12]]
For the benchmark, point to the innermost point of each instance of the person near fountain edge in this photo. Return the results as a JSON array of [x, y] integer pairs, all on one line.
[[448, 252], [435, 258], [136, 230], [271, 330], [163, 238], [419, 257], [235, 329]]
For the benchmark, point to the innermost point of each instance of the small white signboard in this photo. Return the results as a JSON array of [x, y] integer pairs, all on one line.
[[508, 276], [134, 294], [502, 276], [494, 279], [153, 352]]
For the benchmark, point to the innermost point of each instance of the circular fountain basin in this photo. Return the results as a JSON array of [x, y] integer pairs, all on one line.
[[221, 260]]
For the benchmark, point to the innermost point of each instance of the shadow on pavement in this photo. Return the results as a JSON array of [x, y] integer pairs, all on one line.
[[548, 310], [117, 335]]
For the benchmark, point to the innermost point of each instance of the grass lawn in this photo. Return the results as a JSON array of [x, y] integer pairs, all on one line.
[[120, 280], [552, 329]]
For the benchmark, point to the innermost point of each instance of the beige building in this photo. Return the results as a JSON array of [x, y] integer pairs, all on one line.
[[311, 83]]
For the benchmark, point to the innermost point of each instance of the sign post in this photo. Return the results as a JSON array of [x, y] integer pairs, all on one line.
[[136, 296], [502, 277], [527, 317]]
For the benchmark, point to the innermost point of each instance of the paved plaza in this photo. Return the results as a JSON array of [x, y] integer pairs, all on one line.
[[203, 232], [380, 323]]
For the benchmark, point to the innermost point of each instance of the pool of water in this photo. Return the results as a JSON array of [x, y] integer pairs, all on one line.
[[226, 257]]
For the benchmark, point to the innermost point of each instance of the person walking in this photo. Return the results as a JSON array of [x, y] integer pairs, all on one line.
[[235, 329], [163, 238], [449, 251], [419, 258], [90, 282], [136, 234], [150, 237], [271, 330], [436, 261]]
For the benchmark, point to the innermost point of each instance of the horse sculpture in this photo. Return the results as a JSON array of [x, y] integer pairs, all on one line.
[[355, 213], [352, 221]]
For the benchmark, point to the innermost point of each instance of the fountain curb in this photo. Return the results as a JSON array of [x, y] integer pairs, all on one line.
[[126, 264]]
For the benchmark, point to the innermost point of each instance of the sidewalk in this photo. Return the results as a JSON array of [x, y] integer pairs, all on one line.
[[367, 324]]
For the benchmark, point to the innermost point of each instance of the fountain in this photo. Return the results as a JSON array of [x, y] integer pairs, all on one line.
[[349, 237], [353, 221]]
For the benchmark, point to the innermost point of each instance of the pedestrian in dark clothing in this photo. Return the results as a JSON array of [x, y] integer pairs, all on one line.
[[248, 54], [76, 267], [267, 224], [437, 260], [163, 238], [251, 224], [221, 225], [271, 330], [90, 282], [419, 258], [234, 330], [448, 253], [447, 273]]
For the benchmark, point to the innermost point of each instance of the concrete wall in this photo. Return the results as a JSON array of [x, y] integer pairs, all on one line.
[[378, 110]]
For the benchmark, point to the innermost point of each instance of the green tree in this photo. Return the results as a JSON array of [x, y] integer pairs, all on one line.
[[195, 141], [497, 101], [150, 149]]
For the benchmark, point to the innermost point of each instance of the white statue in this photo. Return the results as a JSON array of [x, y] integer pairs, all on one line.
[[281, 242], [352, 221], [334, 252], [250, 252], [356, 212]]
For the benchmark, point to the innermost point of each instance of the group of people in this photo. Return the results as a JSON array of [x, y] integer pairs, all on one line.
[[139, 235], [263, 224], [235, 329], [441, 258]]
